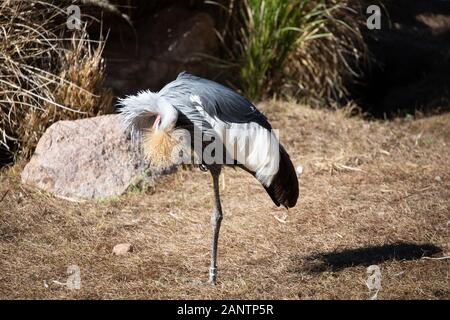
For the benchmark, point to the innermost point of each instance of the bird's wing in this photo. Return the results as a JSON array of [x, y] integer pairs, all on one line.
[[201, 101], [221, 102]]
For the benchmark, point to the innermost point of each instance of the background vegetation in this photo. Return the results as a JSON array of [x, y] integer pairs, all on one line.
[[45, 76], [302, 48], [49, 73]]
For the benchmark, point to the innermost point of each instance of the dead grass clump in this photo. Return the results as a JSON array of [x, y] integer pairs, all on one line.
[[332, 57], [47, 71]]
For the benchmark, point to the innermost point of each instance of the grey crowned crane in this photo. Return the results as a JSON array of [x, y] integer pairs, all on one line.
[[217, 127]]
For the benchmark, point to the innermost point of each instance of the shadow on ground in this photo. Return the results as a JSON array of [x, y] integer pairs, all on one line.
[[366, 256]]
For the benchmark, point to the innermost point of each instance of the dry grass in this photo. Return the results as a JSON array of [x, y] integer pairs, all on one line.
[[47, 72], [367, 190], [321, 70]]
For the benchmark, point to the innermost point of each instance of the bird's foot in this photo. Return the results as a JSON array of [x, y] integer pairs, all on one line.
[[212, 279], [212, 276]]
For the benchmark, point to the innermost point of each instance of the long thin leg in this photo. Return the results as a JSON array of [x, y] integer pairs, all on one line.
[[216, 219]]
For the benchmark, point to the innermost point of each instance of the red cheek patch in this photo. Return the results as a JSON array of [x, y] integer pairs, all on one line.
[[157, 121]]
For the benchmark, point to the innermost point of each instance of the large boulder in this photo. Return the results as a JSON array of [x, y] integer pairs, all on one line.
[[87, 159]]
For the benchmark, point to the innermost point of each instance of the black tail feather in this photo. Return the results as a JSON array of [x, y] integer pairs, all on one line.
[[284, 187]]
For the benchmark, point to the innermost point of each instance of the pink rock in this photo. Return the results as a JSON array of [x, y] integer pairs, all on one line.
[[86, 159], [122, 249]]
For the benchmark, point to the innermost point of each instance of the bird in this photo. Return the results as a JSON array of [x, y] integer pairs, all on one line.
[[199, 121]]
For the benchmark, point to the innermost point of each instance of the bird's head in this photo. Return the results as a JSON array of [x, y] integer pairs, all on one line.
[[147, 110], [153, 117]]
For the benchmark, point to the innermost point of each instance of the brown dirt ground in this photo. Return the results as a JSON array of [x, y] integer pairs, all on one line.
[[369, 195]]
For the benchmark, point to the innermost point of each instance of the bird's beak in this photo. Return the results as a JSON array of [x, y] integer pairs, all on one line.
[[156, 122]]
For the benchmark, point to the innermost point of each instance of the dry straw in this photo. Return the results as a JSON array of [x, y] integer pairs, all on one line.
[[47, 72]]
